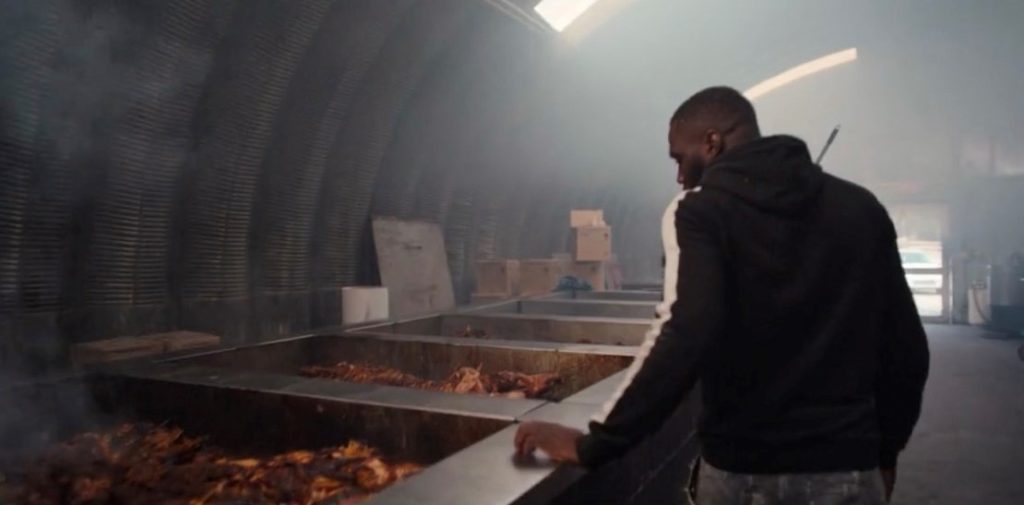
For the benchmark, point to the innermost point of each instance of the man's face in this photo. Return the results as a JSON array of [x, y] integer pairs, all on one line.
[[691, 151]]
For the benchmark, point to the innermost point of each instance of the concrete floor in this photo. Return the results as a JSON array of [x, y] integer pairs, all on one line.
[[969, 445]]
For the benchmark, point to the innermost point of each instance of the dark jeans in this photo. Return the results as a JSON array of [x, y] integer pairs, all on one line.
[[717, 487]]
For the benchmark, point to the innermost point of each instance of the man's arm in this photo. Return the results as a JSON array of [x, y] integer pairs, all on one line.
[[668, 364], [904, 358]]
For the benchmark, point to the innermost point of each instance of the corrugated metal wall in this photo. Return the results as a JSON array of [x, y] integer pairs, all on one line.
[[213, 164]]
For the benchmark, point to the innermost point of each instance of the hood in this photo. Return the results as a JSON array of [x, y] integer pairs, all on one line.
[[774, 174]]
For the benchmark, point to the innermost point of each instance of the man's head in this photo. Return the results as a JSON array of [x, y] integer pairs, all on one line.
[[707, 125]]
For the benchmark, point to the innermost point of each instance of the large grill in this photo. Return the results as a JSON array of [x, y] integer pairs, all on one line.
[[428, 357], [254, 402], [246, 422]]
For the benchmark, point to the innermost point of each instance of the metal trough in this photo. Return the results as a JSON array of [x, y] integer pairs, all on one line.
[[254, 421], [434, 358], [246, 422], [566, 329], [566, 307], [468, 454]]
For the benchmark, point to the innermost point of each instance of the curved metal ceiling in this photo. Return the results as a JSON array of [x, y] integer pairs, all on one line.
[[212, 165]]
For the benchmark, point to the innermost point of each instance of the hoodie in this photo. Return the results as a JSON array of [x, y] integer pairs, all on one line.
[[791, 309]]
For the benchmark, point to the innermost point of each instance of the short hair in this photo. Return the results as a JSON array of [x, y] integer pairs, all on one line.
[[719, 106]]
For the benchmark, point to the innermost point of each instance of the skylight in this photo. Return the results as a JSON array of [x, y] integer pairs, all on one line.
[[561, 13]]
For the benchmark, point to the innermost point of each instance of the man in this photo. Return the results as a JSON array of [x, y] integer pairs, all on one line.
[[791, 308]]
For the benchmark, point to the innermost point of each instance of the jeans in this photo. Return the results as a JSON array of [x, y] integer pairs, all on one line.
[[718, 487]]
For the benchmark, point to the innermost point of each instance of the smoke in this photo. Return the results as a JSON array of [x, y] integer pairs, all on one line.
[[81, 53], [932, 101], [36, 414], [85, 75], [64, 65], [94, 64]]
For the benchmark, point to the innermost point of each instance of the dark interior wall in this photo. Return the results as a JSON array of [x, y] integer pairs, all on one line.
[[212, 164]]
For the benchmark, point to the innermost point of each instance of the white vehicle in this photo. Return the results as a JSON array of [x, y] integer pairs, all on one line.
[[922, 283], [922, 261]]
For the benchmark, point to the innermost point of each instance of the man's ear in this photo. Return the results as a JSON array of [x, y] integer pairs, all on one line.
[[714, 144]]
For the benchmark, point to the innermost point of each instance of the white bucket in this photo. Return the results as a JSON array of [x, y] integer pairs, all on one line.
[[361, 304]]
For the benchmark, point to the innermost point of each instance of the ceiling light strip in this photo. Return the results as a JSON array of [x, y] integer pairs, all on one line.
[[800, 71]]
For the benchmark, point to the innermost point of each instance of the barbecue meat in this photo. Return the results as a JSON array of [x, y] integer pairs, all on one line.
[[89, 490], [532, 386], [138, 464], [465, 380], [363, 373], [471, 332]]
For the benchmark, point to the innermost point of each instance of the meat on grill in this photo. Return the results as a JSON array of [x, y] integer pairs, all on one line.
[[465, 380], [471, 332], [139, 464]]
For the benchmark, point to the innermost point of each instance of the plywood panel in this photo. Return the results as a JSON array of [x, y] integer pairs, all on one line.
[[413, 266]]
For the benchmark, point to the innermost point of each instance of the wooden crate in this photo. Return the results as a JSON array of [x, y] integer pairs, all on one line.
[[592, 243], [539, 276], [594, 272], [497, 277], [586, 217]]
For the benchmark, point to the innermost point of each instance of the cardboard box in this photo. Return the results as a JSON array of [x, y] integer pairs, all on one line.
[[585, 217], [478, 299], [497, 277], [592, 243], [594, 272], [539, 276], [564, 261]]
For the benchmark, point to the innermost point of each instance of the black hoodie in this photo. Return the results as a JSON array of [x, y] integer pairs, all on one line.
[[792, 310]]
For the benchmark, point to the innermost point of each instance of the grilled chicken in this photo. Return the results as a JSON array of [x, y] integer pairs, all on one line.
[[138, 464], [465, 380]]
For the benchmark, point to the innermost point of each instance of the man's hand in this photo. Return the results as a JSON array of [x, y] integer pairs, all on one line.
[[889, 479], [557, 441]]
